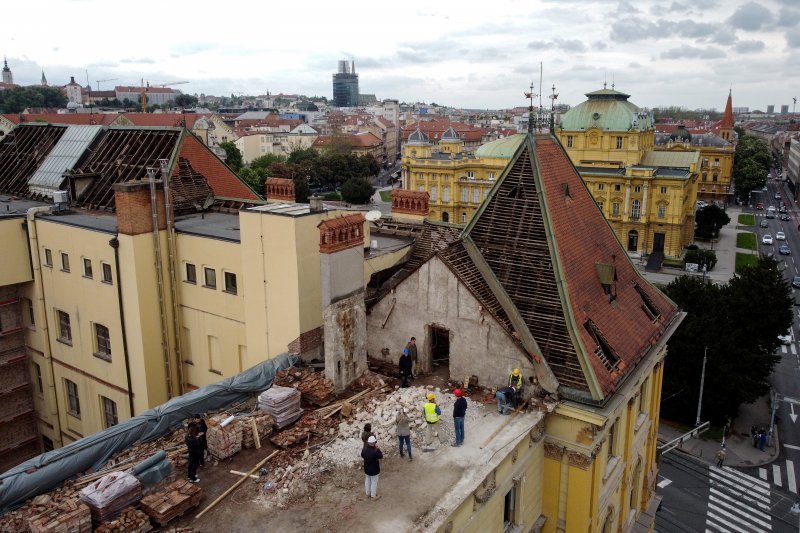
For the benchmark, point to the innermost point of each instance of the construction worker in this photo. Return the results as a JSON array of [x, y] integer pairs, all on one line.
[[432, 414], [459, 412], [516, 382], [505, 397], [411, 351]]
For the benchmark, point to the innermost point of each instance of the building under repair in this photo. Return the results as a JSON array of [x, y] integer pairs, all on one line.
[[537, 281]]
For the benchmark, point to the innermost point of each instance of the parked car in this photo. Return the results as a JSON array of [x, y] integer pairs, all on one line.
[[783, 209], [787, 338], [796, 282], [784, 250], [780, 236], [764, 223], [785, 217], [759, 206], [766, 239], [777, 196]]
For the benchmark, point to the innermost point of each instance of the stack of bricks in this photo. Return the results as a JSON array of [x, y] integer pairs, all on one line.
[[223, 442], [130, 521], [264, 423], [299, 433], [170, 503], [314, 387], [70, 516]]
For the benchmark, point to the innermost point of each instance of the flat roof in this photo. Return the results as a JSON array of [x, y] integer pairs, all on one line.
[[224, 226], [285, 209], [11, 206], [93, 220]]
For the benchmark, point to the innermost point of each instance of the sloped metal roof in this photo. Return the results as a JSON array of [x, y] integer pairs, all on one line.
[[64, 155]]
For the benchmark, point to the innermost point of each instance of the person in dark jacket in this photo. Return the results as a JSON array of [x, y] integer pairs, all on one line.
[[372, 456], [405, 366], [459, 412], [367, 433], [200, 422], [195, 452]]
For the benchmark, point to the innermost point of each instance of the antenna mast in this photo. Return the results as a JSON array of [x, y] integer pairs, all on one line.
[[530, 96], [552, 98]]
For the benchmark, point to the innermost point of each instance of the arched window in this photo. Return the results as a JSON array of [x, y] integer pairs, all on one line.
[[445, 217]]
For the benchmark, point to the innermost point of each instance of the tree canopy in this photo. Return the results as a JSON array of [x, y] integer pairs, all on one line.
[[738, 323], [751, 164], [18, 99], [185, 100], [357, 191], [710, 220], [233, 157]]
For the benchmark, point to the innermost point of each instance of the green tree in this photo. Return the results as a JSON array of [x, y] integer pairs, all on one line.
[[357, 191], [185, 100], [710, 220], [233, 157], [262, 164], [253, 179], [751, 164], [301, 189], [740, 339], [18, 99]]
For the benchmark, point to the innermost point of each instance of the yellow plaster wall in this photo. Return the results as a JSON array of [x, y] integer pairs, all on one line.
[[384, 261], [16, 266], [594, 145]]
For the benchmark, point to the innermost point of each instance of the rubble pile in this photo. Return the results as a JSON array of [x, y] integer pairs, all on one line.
[[302, 431], [130, 521], [172, 502], [109, 495], [264, 423], [283, 403], [69, 515], [382, 413], [314, 387], [223, 441]]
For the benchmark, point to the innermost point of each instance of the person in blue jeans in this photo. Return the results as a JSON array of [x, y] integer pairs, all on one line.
[[459, 412], [404, 432], [505, 397]]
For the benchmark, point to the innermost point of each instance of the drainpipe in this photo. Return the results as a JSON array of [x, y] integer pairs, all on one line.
[[151, 174], [36, 261], [114, 243], [172, 253]]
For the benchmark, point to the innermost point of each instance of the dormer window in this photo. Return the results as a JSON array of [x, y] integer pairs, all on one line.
[[607, 355], [648, 306]]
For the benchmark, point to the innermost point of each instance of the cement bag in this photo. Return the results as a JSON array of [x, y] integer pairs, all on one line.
[[107, 489]]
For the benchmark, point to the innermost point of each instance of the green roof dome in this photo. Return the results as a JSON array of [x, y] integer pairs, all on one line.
[[504, 148], [608, 110]]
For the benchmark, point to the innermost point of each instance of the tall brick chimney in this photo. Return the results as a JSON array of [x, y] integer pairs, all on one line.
[[409, 205], [344, 314], [280, 190], [134, 215]]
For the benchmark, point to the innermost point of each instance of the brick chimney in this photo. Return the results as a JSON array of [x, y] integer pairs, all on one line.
[[134, 215], [344, 315], [409, 205], [280, 190]]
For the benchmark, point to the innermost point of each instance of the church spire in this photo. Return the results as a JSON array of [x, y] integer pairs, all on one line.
[[44, 80], [726, 126], [8, 77]]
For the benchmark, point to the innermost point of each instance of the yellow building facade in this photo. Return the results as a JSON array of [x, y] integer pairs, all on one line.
[[456, 181], [649, 199]]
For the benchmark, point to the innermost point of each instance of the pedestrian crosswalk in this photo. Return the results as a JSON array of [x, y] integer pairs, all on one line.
[[781, 475], [737, 502]]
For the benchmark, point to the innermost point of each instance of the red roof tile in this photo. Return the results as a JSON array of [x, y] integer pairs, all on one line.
[[222, 180], [162, 119], [85, 119]]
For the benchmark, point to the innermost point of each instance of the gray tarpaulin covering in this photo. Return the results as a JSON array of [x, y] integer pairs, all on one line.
[[48, 470]]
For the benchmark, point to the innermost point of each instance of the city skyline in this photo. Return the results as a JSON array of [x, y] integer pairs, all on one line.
[[469, 58]]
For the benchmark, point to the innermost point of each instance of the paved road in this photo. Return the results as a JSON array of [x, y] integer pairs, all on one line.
[[785, 472], [702, 497]]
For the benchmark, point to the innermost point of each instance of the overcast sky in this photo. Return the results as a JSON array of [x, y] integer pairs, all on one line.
[[467, 53]]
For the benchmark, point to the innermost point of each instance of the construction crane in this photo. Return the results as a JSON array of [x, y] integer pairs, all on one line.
[[170, 83], [109, 79]]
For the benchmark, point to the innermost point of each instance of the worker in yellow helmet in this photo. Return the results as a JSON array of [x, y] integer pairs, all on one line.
[[432, 414], [516, 382]]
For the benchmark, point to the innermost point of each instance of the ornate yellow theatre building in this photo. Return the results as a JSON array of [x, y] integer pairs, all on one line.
[[647, 196]]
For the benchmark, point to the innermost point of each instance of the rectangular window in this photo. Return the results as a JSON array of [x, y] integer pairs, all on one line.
[[48, 257], [619, 143], [509, 508], [421, 188], [569, 141], [463, 218], [109, 412], [31, 315], [38, 372], [470, 174], [446, 194], [64, 262], [87, 268], [716, 162], [662, 211], [64, 327], [663, 190], [601, 186], [214, 360], [611, 436], [230, 282], [107, 277], [638, 188], [464, 194], [73, 402], [617, 187], [434, 193], [705, 161], [615, 209], [714, 177], [102, 342], [491, 176], [476, 196], [191, 273], [209, 278], [635, 209], [705, 176], [600, 205]]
